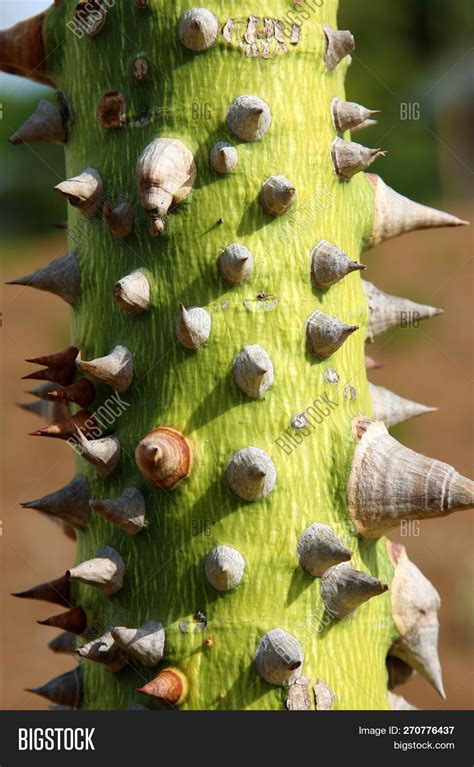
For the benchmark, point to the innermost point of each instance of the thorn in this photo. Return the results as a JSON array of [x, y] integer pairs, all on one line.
[[389, 483], [69, 503], [84, 191], [105, 571], [45, 124], [115, 370], [279, 658], [193, 326], [103, 650], [344, 589], [224, 568], [119, 219], [60, 368], [63, 643], [23, 51], [415, 605], [61, 277], [65, 690], [349, 158], [164, 457], [56, 592], [81, 393], [325, 334], [339, 43], [319, 549], [132, 293], [83, 421], [392, 409], [127, 511], [395, 214], [145, 644], [74, 620], [253, 371], [388, 311], [330, 264], [170, 686], [251, 474], [347, 115], [103, 454], [371, 364]]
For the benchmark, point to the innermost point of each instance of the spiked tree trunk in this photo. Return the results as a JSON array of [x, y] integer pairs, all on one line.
[[216, 288]]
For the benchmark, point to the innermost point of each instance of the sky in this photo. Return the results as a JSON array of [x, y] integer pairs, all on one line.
[[12, 11]]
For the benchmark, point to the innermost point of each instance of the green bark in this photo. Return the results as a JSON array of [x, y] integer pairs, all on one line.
[[194, 391]]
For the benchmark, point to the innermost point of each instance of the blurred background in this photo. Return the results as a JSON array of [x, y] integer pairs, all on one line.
[[413, 61]]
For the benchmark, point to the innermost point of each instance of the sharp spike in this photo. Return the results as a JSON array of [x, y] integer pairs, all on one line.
[[22, 50], [70, 503], [386, 311], [279, 658], [253, 371], [193, 326], [395, 214], [198, 29], [103, 454], [60, 367], [48, 411], [224, 568], [325, 334], [349, 158], [146, 643], [392, 409], [41, 391], [339, 43], [344, 589], [62, 277], [105, 571], [65, 690], [415, 605], [277, 195], [45, 124], [251, 474], [224, 157], [164, 457], [115, 370], [56, 592], [330, 264], [236, 263], [119, 219], [170, 686], [74, 621], [84, 191], [81, 393], [127, 511], [83, 421], [63, 643], [66, 357], [103, 650], [319, 549], [347, 115], [132, 293], [389, 483], [249, 118]]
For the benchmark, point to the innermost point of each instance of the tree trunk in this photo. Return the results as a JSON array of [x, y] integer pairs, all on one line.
[[209, 406]]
